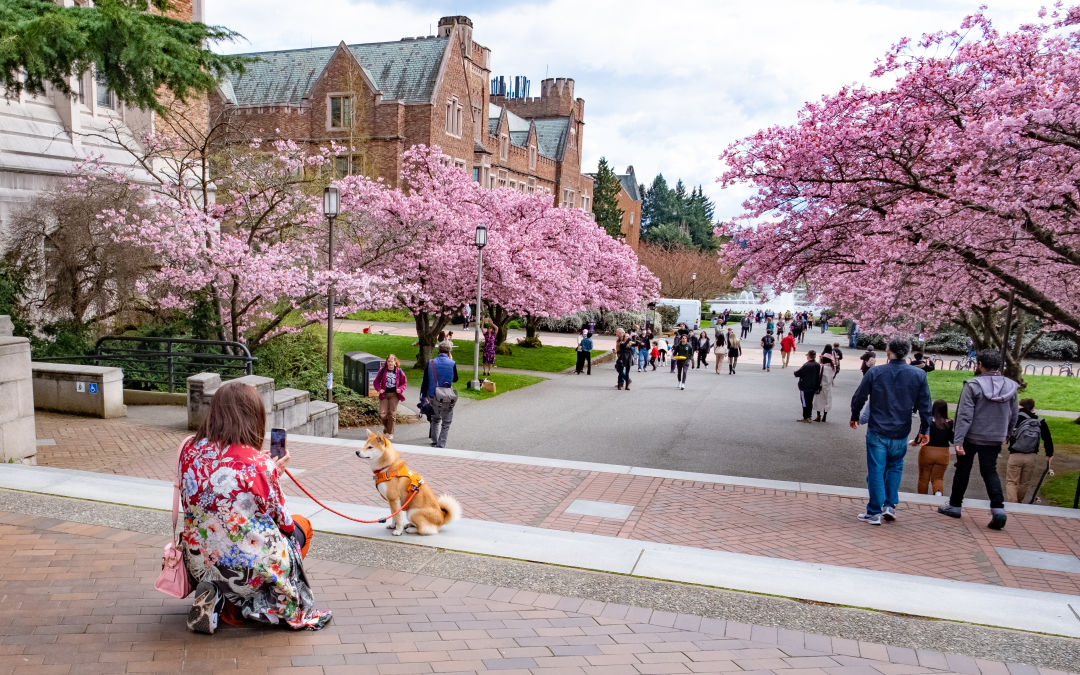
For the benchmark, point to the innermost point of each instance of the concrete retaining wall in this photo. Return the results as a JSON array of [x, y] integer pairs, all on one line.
[[18, 441], [97, 391]]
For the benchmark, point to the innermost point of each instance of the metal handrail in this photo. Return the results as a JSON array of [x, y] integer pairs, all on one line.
[[161, 366]]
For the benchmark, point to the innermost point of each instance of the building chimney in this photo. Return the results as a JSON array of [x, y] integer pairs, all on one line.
[[447, 23]]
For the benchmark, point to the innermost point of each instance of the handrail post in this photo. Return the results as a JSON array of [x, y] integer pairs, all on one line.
[[169, 345]]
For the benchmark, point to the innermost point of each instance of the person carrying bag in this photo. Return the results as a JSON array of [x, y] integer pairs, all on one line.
[[439, 378]]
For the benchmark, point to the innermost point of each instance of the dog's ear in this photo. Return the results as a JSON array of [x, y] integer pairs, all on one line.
[[371, 435], [383, 440]]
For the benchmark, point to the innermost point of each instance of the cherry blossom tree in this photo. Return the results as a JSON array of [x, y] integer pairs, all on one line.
[[539, 260], [257, 253], [953, 186]]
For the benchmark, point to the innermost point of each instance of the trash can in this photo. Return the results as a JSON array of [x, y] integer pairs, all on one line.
[[360, 371]]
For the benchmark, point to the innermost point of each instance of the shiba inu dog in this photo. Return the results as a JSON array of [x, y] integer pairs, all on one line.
[[395, 481]]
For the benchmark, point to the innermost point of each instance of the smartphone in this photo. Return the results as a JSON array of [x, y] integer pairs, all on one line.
[[277, 443]]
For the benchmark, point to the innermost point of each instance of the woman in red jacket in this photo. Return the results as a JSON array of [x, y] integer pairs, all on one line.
[[787, 347]]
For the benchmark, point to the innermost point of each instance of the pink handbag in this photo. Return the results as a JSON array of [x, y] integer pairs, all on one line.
[[174, 579]]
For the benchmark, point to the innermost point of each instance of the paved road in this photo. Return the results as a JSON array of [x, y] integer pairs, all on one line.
[[741, 424]]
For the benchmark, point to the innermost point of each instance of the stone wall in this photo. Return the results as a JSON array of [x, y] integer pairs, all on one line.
[[17, 435]]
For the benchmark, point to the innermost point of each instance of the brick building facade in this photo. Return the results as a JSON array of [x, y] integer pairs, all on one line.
[[379, 99]]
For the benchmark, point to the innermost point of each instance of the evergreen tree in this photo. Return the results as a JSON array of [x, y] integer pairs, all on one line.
[[606, 187], [136, 50], [675, 217]]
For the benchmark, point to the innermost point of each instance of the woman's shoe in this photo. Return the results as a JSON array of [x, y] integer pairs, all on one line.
[[203, 615]]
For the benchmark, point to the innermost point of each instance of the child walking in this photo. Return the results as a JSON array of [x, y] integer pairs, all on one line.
[[654, 354]]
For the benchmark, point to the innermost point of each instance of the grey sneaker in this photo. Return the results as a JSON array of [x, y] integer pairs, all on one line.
[[949, 510], [997, 519], [203, 615], [889, 513], [870, 519]]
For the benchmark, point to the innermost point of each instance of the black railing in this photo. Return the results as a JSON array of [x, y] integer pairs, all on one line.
[[154, 363]]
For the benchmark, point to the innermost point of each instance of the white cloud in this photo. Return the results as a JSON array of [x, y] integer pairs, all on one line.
[[666, 85]]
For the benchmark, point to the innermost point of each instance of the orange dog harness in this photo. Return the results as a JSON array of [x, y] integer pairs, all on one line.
[[402, 471]]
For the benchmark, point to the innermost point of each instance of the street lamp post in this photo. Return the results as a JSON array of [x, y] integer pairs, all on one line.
[[331, 205], [481, 241], [693, 285]]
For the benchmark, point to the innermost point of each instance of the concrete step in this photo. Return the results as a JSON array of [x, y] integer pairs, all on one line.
[[290, 409]]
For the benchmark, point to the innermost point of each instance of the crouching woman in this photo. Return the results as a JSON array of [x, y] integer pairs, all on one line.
[[240, 544]]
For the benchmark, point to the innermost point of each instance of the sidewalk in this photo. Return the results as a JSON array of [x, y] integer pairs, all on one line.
[[85, 613], [774, 521]]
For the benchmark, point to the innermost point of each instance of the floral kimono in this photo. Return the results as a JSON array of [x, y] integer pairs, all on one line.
[[236, 531]]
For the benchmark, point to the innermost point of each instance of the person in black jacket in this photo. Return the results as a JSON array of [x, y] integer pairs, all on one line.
[[682, 356], [809, 376], [1023, 449]]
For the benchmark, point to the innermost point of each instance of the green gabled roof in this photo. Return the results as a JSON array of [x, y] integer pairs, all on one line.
[[402, 70]]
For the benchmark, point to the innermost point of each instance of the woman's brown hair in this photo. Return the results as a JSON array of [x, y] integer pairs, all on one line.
[[236, 416]]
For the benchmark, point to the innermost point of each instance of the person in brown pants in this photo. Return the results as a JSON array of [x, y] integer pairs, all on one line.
[[1024, 451], [934, 456], [390, 384]]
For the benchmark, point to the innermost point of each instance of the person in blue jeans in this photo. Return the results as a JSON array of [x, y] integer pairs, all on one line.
[[894, 390], [768, 341]]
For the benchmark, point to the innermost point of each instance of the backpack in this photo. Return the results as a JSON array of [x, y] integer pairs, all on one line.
[[1025, 437], [768, 341]]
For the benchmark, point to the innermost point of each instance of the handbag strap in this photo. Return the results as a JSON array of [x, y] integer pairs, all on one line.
[[176, 486]]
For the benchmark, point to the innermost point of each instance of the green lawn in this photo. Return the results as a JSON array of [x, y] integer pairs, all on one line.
[[504, 382], [838, 330], [1064, 431], [545, 359], [1059, 490], [1050, 392], [383, 315]]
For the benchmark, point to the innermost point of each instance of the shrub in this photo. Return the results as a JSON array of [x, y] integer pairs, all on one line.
[[529, 342], [607, 323], [296, 360], [514, 325], [504, 349], [668, 316], [355, 410]]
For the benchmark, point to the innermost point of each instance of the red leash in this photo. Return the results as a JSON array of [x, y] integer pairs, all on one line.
[[338, 513]]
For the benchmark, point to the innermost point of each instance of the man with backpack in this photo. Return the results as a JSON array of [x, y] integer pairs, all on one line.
[[767, 344], [1023, 450]]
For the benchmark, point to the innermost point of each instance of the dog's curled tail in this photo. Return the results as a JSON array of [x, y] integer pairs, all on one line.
[[450, 507]]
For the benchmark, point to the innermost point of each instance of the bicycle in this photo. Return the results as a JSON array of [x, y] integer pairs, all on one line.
[[1066, 369], [966, 363]]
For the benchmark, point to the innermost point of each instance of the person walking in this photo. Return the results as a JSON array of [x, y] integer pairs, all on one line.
[[466, 313], [767, 344], [584, 353], [894, 390], [823, 395], [1024, 449], [934, 454], [838, 355], [390, 382], [719, 349], [654, 354], [624, 357], [439, 378], [662, 348], [693, 339], [239, 542], [745, 324], [703, 346], [734, 351], [985, 418], [869, 359], [490, 334], [682, 356], [853, 335], [787, 348], [809, 377]]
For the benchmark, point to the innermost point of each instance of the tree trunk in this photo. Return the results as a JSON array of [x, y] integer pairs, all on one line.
[[532, 325], [501, 318], [427, 333]]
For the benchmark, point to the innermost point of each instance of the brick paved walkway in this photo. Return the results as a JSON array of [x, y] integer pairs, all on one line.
[[806, 526], [80, 599]]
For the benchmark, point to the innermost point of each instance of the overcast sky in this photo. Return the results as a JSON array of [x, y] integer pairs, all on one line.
[[667, 85]]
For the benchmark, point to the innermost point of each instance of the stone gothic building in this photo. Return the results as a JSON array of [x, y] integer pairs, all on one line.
[[379, 99]]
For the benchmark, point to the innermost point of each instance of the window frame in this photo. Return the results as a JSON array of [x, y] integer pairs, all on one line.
[[349, 109]]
